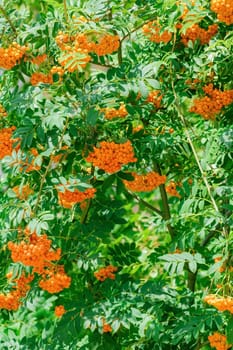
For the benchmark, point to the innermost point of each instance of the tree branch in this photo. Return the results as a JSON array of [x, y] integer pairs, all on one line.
[[146, 204], [8, 20], [165, 210]]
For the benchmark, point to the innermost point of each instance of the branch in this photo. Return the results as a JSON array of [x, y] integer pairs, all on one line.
[[8, 20], [137, 28], [65, 11], [146, 204], [180, 114], [166, 210]]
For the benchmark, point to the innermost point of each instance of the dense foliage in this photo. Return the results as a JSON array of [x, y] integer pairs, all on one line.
[[116, 172]]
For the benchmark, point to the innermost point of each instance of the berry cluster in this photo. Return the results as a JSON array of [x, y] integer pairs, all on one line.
[[10, 56], [59, 311], [22, 192], [209, 106], [111, 156], [107, 44], [104, 44], [63, 41], [171, 189], [111, 113], [153, 31], [12, 300], [106, 272], [34, 251], [3, 112], [155, 97], [54, 279], [221, 303], [76, 49], [57, 70], [6, 141], [223, 9], [68, 199], [38, 60], [38, 77], [195, 32], [218, 341], [106, 327], [145, 183]]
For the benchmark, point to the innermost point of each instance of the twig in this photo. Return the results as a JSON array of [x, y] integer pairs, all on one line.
[[146, 204], [8, 20], [166, 210], [65, 11]]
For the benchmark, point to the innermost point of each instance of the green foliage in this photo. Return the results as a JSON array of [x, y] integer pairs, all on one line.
[[172, 245]]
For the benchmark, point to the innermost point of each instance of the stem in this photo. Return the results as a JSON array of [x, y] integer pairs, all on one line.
[[119, 54], [8, 20], [41, 185], [165, 206], [65, 11], [85, 212], [192, 280], [137, 28], [180, 113], [146, 204], [48, 167]]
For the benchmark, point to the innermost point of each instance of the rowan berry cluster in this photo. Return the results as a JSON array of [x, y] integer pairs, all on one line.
[[171, 189], [57, 70], [107, 44], [76, 48], [38, 77], [155, 34], [106, 327], [59, 311], [104, 44], [54, 279], [68, 199], [195, 32], [223, 9], [3, 112], [218, 341], [10, 56], [145, 183], [221, 303], [111, 156], [34, 251], [12, 300], [106, 272], [38, 60], [22, 192], [111, 113], [155, 97], [6, 141], [209, 106]]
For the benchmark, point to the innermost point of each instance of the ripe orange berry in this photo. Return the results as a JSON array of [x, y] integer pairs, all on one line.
[[106, 272], [218, 341], [155, 34], [223, 9], [145, 183], [59, 311], [11, 56], [111, 156]]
